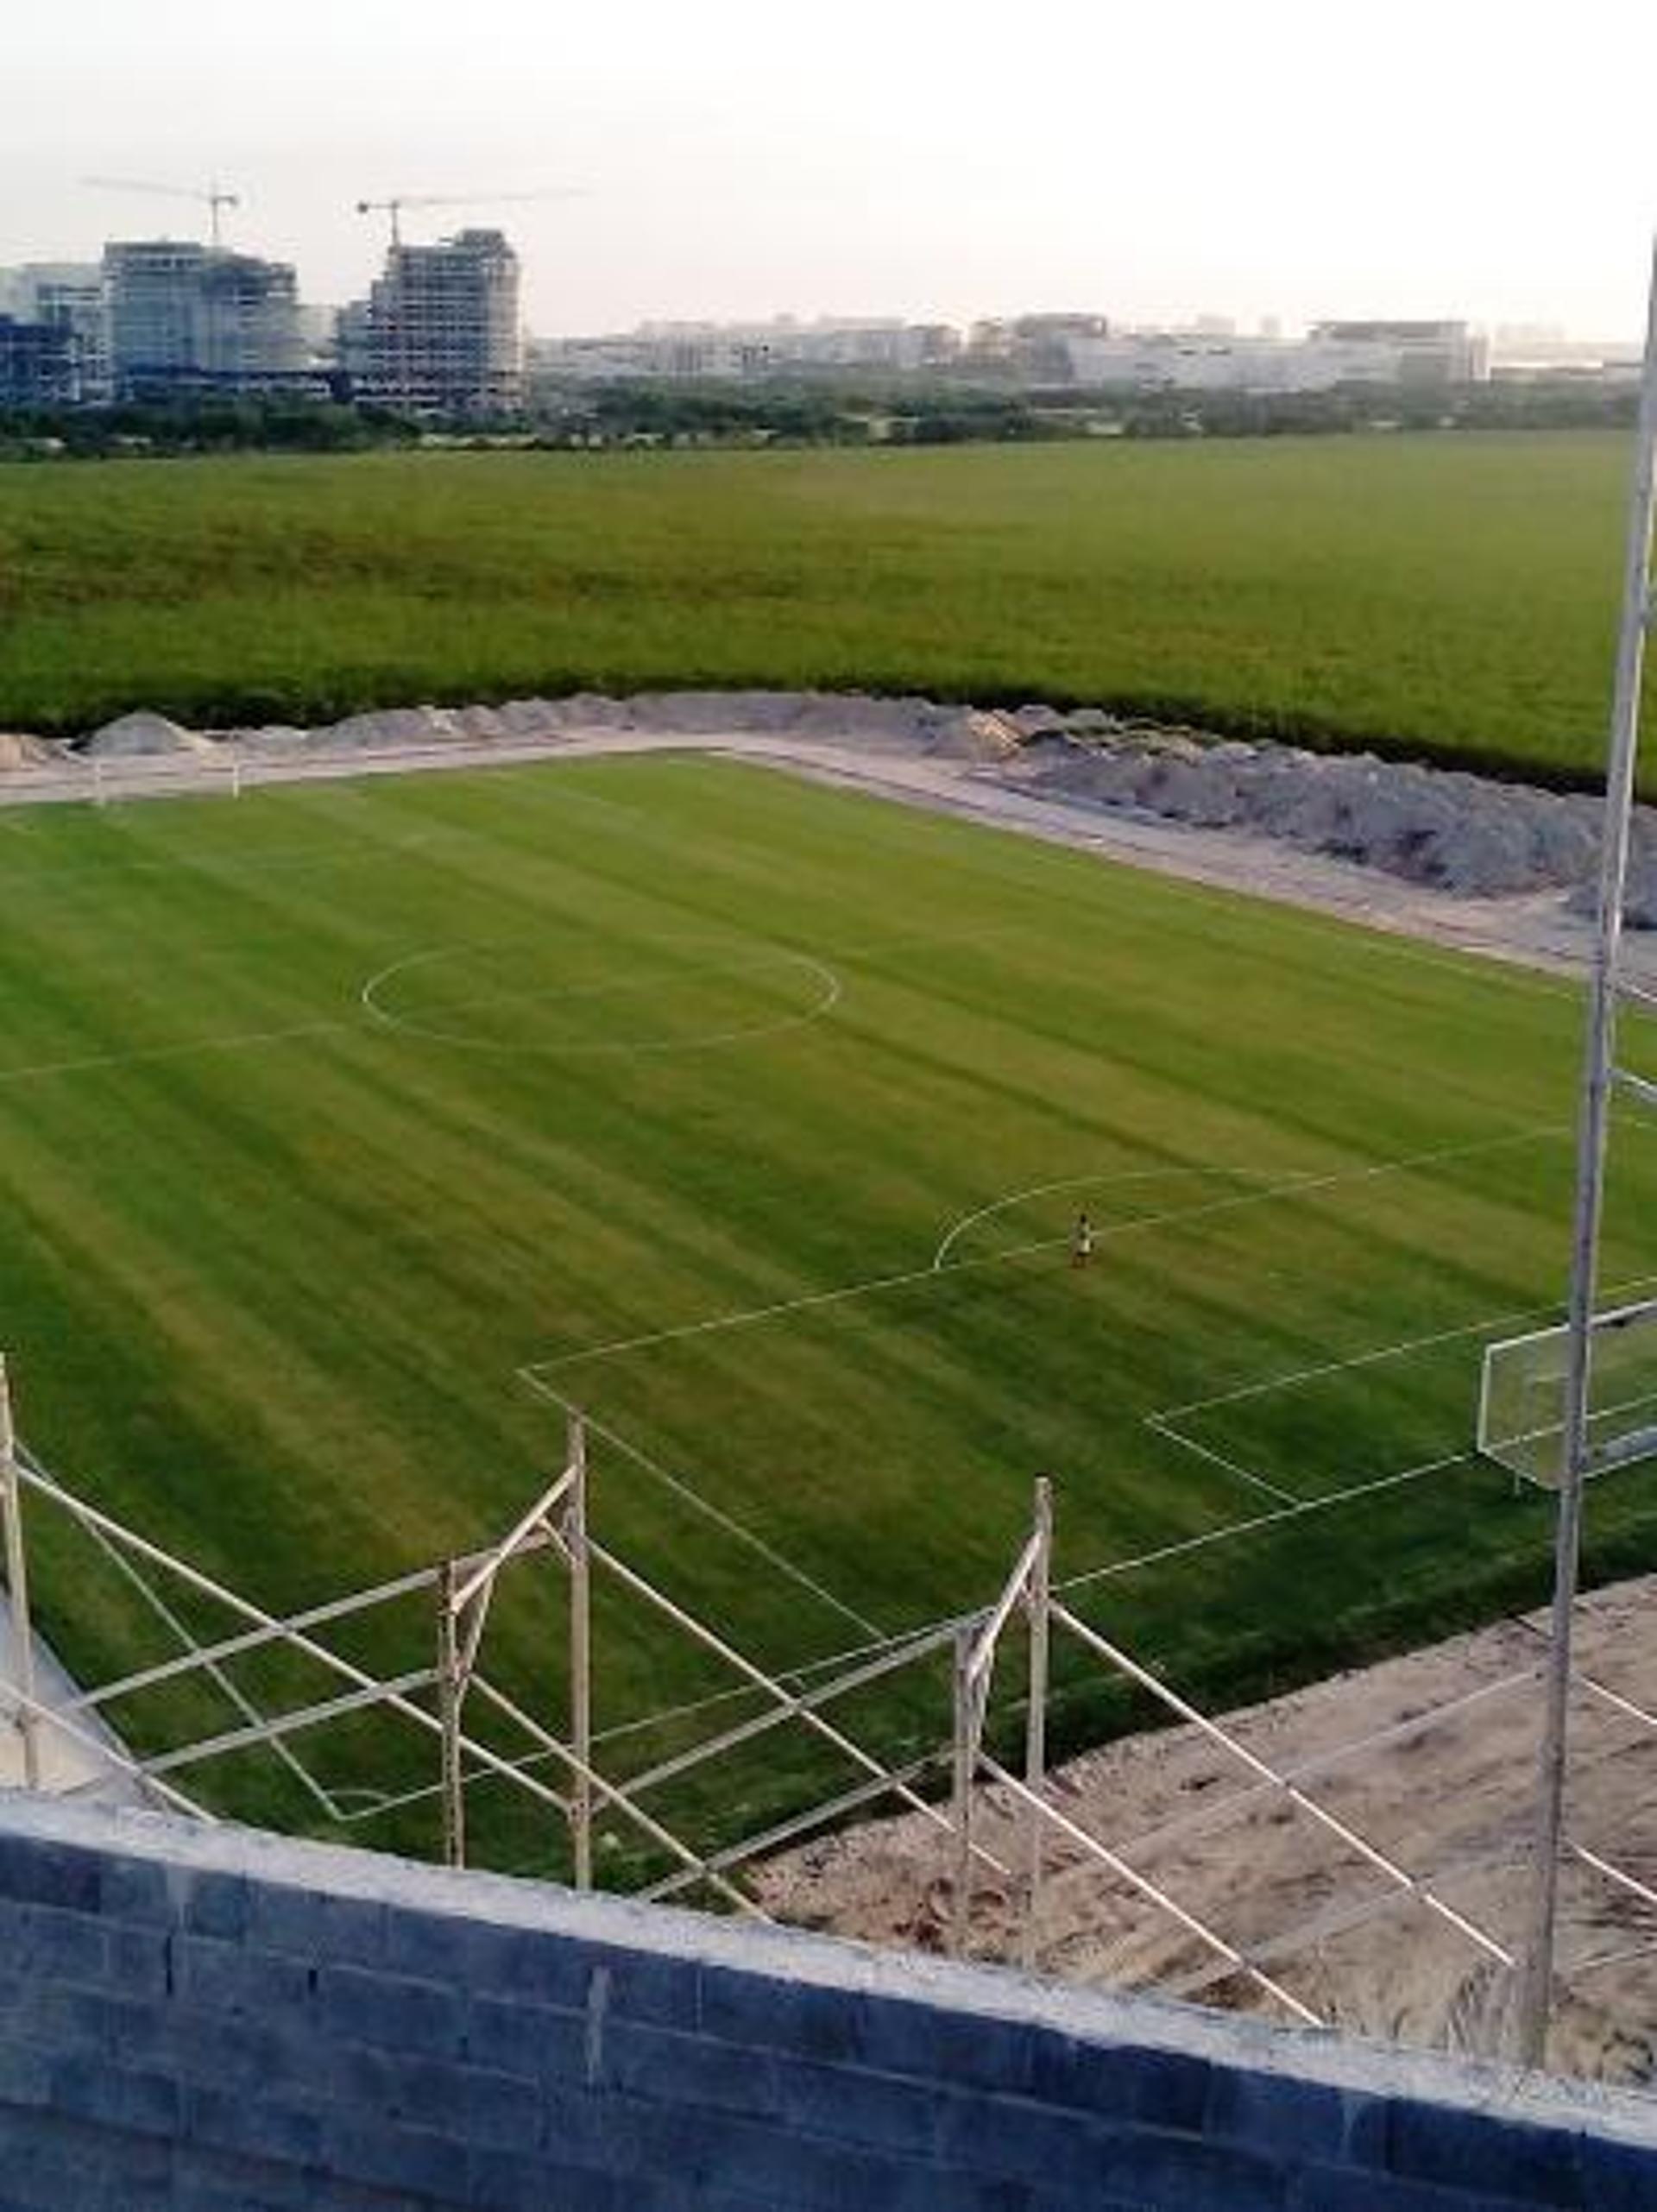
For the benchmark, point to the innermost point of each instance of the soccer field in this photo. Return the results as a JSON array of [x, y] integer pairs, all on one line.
[[354, 1132]]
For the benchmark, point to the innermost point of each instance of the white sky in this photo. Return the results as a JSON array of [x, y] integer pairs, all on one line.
[[1156, 158]]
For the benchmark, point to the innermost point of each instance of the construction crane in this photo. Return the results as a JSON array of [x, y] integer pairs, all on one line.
[[215, 199], [395, 205]]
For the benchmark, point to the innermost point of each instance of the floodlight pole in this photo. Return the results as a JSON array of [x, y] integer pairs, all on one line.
[[581, 1655], [11, 1505], [1038, 1601], [1599, 1076]]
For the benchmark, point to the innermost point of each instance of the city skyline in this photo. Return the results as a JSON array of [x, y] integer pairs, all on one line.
[[891, 163]]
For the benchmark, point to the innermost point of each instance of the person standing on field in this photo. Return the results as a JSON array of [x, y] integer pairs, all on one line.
[[1081, 1242]]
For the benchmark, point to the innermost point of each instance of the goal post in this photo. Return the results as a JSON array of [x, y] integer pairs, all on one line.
[[1521, 1398]]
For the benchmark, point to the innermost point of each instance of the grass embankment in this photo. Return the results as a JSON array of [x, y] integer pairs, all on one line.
[[1454, 595], [655, 1044]]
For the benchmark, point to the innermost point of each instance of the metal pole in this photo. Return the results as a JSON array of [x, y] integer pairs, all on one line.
[[11, 1503], [581, 1655], [964, 1768], [1040, 1602], [454, 1791], [1599, 1061]]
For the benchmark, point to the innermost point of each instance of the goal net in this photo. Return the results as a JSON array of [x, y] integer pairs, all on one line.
[[1521, 1396]]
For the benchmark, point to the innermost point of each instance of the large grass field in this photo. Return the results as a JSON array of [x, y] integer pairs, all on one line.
[[351, 1132], [1455, 595]]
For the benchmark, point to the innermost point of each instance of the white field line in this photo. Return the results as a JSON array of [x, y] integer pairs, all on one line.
[[1217, 1459], [245, 1041], [1293, 1187], [1111, 1182]]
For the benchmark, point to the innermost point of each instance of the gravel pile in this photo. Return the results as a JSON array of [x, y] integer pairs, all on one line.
[[1464, 833], [143, 736]]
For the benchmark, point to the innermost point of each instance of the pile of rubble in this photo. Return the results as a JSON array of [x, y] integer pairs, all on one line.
[[1467, 834]]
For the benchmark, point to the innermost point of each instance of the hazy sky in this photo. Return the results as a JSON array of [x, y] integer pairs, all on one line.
[[1294, 158]]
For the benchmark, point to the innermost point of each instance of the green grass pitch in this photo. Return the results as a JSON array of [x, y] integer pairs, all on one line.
[[353, 1131]]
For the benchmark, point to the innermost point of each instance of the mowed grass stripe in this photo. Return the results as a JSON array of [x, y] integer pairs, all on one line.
[[272, 1303]]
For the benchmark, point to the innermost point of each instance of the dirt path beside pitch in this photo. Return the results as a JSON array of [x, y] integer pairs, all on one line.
[[1430, 1758]]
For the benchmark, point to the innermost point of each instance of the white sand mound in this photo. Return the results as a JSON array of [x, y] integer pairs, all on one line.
[[132, 736]]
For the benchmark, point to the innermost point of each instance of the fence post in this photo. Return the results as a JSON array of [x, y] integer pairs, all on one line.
[[1039, 1602], [454, 1787], [11, 1504]]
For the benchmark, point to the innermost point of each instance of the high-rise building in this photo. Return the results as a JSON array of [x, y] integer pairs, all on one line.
[[441, 329], [181, 313], [65, 296]]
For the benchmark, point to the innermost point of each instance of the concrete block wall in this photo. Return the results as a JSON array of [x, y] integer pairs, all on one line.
[[216, 2021]]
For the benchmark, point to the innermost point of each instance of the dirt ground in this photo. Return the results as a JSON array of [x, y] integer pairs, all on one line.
[[1430, 1758]]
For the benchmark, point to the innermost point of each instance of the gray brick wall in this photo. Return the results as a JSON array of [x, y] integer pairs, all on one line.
[[216, 2021]]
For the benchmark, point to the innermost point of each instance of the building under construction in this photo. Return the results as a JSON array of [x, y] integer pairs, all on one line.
[[185, 313], [440, 329]]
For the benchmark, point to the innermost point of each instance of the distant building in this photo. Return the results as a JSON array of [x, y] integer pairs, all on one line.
[[441, 329], [1421, 355], [194, 315], [1402, 353], [734, 351], [1036, 347], [40, 365], [65, 296]]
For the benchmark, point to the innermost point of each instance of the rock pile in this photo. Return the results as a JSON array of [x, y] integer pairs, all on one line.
[[143, 734], [1464, 833]]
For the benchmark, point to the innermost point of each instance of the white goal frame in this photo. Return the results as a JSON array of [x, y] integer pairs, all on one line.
[[1542, 1357]]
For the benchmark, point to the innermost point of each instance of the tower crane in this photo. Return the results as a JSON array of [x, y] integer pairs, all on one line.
[[215, 199], [393, 207]]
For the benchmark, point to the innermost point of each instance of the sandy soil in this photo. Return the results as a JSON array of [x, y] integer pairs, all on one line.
[[1430, 1758]]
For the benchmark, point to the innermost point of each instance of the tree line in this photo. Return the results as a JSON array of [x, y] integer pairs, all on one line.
[[801, 412]]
